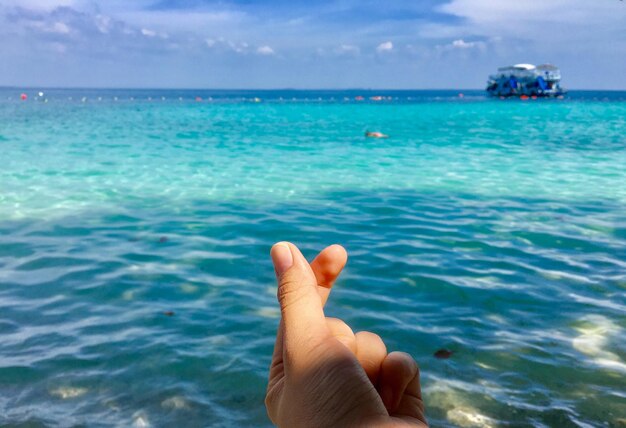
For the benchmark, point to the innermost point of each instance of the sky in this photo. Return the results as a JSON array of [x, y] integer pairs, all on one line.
[[330, 44]]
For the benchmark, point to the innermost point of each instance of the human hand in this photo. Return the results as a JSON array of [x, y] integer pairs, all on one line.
[[324, 375]]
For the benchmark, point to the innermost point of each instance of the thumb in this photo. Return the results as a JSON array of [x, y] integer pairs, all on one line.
[[300, 304]]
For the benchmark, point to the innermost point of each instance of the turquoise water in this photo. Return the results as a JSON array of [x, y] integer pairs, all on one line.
[[495, 229]]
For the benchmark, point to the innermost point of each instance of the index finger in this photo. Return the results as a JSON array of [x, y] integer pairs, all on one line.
[[327, 266]]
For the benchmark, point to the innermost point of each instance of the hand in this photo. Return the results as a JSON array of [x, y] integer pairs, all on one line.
[[324, 375]]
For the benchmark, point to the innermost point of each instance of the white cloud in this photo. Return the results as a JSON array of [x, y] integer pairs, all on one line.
[[348, 50], [148, 33], [501, 12], [38, 4], [151, 33], [59, 28], [462, 44], [385, 47], [103, 23], [222, 44], [239, 47], [560, 21], [265, 50]]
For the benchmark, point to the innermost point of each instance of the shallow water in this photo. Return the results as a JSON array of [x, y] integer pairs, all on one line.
[[495, 229]]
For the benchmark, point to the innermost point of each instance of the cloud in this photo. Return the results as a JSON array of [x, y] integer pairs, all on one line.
[[385, 47], [462, 44], [265, 50], [560, 21], [223, 45], [103, 23], [38, 4], [50, 27], [78, 33], [239, 47], [348, 50]]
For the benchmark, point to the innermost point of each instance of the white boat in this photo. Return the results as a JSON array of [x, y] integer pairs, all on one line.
[[526, 80]]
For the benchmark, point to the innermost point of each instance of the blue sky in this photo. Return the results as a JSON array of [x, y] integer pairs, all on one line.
[[307, 44]]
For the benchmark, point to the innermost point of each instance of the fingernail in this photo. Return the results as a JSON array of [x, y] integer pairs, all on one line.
[[282, 258], [386, 394]]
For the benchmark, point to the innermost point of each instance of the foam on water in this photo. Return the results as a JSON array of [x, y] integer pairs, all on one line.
[[135, 282]]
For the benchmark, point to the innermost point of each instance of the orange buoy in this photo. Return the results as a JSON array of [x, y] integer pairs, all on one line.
[[534, 97], [359, 98], [523, 97], [461, 95], [23, 97], [198, 99]]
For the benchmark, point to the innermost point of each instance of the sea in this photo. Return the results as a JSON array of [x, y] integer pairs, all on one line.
[[136, 287]]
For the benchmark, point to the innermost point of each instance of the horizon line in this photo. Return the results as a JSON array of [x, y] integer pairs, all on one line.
[[266, 89]]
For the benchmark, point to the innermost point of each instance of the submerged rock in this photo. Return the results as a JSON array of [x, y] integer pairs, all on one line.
[[443, 354]]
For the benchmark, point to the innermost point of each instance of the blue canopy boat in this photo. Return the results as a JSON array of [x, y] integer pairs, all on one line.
[[526, 80]]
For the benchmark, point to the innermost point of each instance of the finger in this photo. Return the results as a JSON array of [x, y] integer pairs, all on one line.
[[327, 266], [276, 366], [342, 332], [370, 351], [398, 371], [304, 324], [411, 404]]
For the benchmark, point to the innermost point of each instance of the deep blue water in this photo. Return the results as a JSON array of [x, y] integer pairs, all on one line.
[[495, 229]]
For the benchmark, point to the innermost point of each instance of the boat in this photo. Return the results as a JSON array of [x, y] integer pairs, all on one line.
[[526, 80]]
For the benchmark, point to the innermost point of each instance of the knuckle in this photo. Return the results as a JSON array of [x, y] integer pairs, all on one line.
[[373, 340], [290, 292], [406, 362], [371, 336]]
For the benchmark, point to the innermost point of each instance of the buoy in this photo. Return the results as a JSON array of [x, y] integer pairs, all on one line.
[[40, 94], [359, 98], [534, 97], [23, 97], [523, 97], [198, 99], [461, 95]]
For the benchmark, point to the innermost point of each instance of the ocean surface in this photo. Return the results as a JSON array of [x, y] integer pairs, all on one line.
[[136, 287]]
